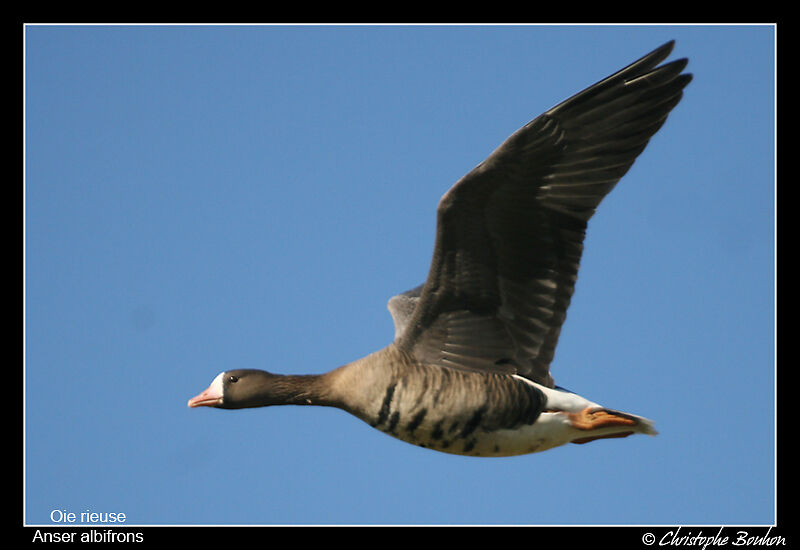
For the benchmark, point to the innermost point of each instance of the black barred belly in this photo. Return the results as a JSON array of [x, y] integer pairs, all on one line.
[[462, 413]]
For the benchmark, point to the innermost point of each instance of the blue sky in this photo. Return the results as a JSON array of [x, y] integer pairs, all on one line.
[[206, 198]]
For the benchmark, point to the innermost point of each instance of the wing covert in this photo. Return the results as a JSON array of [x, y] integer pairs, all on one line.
[[510, 233]]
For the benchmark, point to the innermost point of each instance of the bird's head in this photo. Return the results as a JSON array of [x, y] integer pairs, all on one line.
[[240, 388]]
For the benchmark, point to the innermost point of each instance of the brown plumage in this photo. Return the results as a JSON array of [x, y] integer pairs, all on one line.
[[469, 369]]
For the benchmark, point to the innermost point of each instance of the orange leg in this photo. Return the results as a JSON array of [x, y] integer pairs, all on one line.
[[594, 418]]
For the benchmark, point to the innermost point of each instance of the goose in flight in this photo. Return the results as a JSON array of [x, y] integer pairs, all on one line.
[[468, 371]]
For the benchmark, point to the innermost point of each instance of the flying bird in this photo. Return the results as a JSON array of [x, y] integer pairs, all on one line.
[[468, 371]]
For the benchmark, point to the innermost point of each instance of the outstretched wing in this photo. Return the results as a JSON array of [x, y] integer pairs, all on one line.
[[510, 233]]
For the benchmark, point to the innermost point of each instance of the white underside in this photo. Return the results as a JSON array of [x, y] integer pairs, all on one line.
[[559, 399], [551, 429]]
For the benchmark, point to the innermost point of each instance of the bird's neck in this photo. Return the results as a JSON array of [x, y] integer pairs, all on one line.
[[307, 389]]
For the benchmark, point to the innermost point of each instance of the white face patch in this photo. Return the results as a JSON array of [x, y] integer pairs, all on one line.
[[212, 396], [216, 385]]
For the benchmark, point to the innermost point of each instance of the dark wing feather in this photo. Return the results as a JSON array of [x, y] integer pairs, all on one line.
[[510, 233]]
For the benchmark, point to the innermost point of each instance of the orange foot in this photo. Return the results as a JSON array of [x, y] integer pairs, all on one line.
[[594, 418]]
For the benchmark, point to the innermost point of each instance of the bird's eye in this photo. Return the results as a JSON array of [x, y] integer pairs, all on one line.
[[233, 379]]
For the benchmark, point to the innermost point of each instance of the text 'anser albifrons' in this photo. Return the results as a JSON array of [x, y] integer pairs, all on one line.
[[468, 371]]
